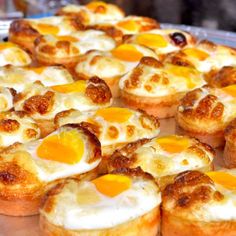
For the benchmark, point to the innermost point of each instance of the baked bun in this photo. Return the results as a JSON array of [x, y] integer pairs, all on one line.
[[200, 204], [26, 170], [93, 12], [43, 103], [114, 126], [17, 127], [164, 157], [19, 78], [12, 54], [66, 49], [110, 66], [230, 146], [25, 31], [88, 207], [157, 88], [205, 56], [162, 41], [205, 112]]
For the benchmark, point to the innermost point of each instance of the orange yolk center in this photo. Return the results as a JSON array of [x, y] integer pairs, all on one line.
[[47, 29], [6, 45], [37, 70], [66, 147], [115, 114], [129, 25], [93, 6], [227, 180], [173, 144], [196, 53], [231, 90], [152, 40], [112, 185], [68, 38], [76, 87], [127, 52]]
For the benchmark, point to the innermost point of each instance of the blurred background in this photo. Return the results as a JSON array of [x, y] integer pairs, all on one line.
[[216, 14]]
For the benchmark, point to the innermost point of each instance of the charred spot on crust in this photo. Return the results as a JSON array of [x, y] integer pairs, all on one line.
[[133, 81], [7, 177], [22, 27], [150, 61]]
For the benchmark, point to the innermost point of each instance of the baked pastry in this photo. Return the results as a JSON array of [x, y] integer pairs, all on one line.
[[157, 88], [200, 204], [205, 112], [19, 78], [6, 99], [43, 103], [128, 200], [27, 170], [12, 54], [114, 126], [127, 26], [65, 50], [25, 31], [93, 12], [206, 56], [111, 66], [17, 127], [162, 41], [164, 157]]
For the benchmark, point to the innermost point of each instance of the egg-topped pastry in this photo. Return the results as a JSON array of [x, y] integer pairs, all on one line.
[[43, 103], [17, 127], [80, 207], [157, 88], [111, 66], [114, 126], [19, 78], [206, 56], [205, 112], [93, 12], [200, 204], [162, 41], [12, 54], [27, 170], [25, 31], [164, 157], [52, 49]]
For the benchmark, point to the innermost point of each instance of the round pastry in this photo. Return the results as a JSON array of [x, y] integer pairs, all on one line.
[[12, 54], [206, 56], [65, 50], [200, 204], [164, 157], [43, 103], [111, 66], [19, 78], [230, 146], [157, 88], [121, 203], [93, 12], [162, 41], [127, 26], [27, 170], [25, 31], [114, 126], [17, 127], [205, 112]]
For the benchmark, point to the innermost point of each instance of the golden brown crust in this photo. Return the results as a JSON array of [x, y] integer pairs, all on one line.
[[148, 224]]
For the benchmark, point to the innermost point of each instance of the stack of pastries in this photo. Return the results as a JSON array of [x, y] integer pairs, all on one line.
[[83, 95]]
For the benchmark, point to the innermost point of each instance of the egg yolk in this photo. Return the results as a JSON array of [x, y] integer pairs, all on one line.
[[152, 40], [184, 72], [227, 180], [68, 38], [231, 90], [196, 53], [92, 6], [6, 45], [129, 25], [173, 144], [127, 52], [66, 147], [112, 185], [37, 70], [76, 87], [47, 29], [114, 114]]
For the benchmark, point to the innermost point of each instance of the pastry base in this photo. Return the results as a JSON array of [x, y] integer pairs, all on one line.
[[229, 155]]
